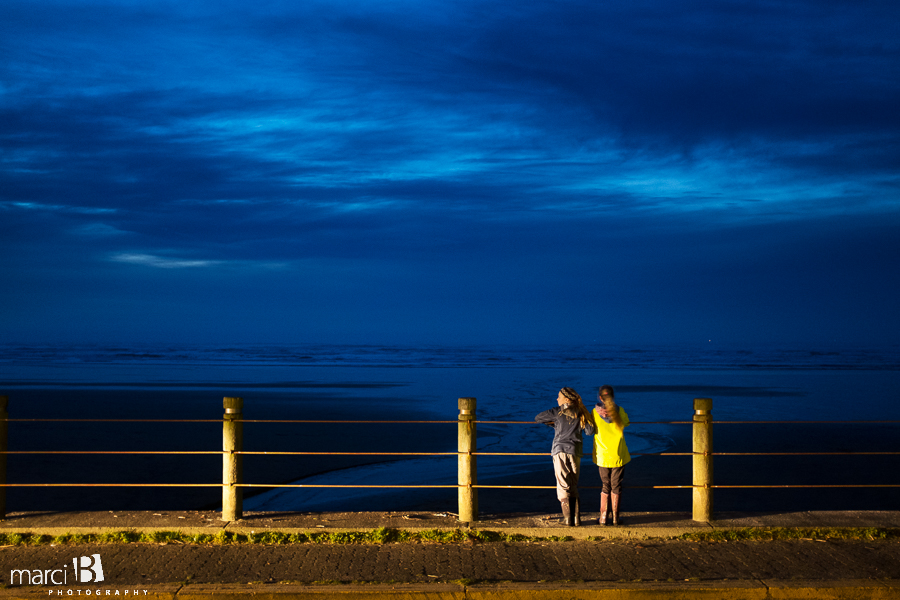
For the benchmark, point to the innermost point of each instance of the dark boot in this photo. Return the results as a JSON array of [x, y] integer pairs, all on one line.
[[604, 507], [575, 510], [566, 511], [614, 500]]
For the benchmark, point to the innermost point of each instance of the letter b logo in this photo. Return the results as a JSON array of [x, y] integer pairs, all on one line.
[[88, 569]]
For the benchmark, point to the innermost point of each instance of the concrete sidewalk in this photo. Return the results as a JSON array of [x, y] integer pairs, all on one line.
[[638, 560], [637, 525]]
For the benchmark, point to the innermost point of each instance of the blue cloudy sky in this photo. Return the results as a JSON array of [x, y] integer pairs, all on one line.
[[450, 172]]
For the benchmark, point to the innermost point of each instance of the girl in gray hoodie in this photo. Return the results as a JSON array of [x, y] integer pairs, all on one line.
[[569, 419]]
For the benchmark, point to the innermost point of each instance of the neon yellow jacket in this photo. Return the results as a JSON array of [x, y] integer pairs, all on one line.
[[609, 442]]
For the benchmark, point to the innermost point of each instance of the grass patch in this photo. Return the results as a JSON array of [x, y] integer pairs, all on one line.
[[386, 535], [382, 535], [767, 534]]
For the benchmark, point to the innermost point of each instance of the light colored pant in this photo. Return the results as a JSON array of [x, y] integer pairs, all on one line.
[[567, 468]]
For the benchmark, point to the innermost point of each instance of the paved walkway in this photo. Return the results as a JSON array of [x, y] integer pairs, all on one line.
[[639, 560]]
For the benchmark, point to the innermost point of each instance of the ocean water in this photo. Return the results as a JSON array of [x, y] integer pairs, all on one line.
[[655, 385]]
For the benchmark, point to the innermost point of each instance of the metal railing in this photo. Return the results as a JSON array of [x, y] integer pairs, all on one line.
[[467, 480]]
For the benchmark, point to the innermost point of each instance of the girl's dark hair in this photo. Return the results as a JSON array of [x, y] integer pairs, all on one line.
[[575, 409]]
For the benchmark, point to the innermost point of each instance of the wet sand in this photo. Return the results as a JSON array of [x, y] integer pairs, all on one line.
[[192, 436], [646, 471]]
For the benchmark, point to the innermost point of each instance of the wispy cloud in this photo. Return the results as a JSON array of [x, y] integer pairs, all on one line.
[[162, 262], [98, 230], [53, 207]]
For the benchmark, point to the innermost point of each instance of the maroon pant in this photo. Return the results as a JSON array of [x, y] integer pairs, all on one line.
[[612, 479]]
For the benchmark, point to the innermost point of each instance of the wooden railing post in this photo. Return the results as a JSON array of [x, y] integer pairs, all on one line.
[[467, 472], [232, 465], [4, 446], [703, 460]]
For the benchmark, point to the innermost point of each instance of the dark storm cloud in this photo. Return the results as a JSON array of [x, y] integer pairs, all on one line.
[[411, 150], [702, 69]]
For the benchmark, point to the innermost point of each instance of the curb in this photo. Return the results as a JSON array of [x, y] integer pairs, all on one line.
[[733, 590]]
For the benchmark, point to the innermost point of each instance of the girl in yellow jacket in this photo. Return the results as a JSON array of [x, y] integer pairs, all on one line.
[[610, 451]]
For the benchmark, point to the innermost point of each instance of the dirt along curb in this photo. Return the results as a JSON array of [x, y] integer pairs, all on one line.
[[737, 590]]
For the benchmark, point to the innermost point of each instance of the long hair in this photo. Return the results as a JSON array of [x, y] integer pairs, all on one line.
[[608, 397], [575, 409]]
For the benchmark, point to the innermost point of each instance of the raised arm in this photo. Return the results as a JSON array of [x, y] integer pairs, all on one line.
[[548, 417]]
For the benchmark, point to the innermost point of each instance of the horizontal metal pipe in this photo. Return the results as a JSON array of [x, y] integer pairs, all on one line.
[[206, 421], [433, 422], [110, 485], [514, 487], [300, 453], [317, 485], [823, 485], [256, 452]]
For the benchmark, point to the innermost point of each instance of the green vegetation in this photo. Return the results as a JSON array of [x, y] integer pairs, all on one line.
[[386, 535], [381, 535]]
